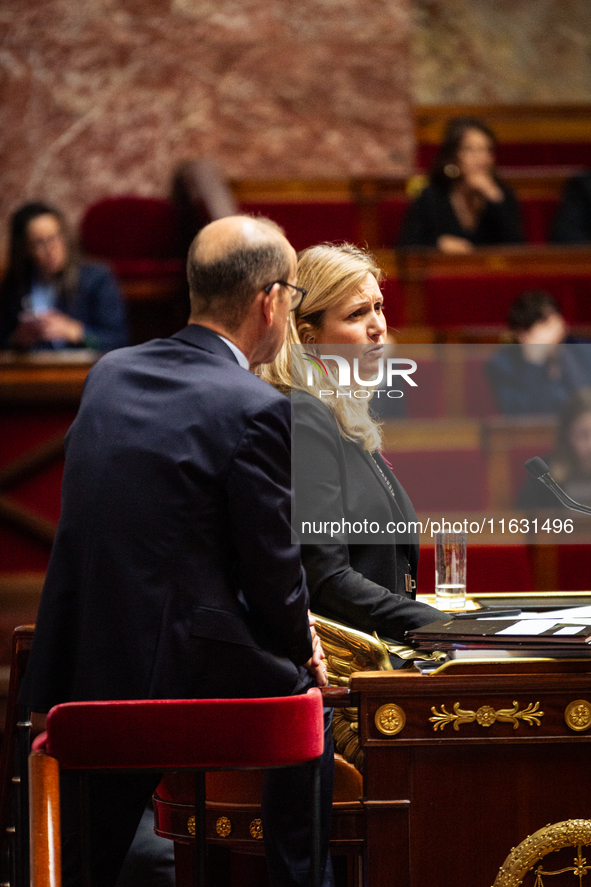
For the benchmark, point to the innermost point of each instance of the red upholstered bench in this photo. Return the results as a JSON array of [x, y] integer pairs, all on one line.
[[145, 241], [574, 567], [530, 153], [309, 222], [485, 298], [137, 229]]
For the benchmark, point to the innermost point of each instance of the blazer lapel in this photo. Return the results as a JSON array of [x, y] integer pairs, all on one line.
[[395, 495]]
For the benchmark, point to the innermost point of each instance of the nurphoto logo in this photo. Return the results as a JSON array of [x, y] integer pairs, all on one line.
[[395, 366]]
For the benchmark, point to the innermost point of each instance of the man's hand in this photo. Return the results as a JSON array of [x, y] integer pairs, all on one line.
[[316, 664]]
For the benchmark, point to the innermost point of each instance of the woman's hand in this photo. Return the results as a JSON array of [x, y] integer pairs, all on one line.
[[457, 246], [48, 327], [58, 326], [482, 182], [541, 340]]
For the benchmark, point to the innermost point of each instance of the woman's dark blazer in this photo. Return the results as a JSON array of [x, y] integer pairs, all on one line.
[[352, 577]]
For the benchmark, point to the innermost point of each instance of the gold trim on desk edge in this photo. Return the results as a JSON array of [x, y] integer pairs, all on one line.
[[429, 597], [486, 716], [450, 664]]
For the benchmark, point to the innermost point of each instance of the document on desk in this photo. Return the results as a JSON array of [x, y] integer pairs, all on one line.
[[543, 631], [530, 627], [570, 614]]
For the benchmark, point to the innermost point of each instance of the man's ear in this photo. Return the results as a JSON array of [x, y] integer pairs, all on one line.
[[268, 304]]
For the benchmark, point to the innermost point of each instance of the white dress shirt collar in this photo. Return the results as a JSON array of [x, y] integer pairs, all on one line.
[[240, 357]]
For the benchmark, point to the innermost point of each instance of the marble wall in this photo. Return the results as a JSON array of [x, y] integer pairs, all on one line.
[[103, 97], [501, 51]]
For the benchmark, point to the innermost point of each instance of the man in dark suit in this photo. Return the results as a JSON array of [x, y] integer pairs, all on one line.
[[172, 574]]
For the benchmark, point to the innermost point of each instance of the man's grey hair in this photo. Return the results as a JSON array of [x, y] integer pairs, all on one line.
[[224, 288]]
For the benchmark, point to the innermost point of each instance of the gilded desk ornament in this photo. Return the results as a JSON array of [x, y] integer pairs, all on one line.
[[256, 829], [223, 827], [570, 833], [578, 715], [390, 719], [579, 869], [345, 731], [347, 651], [486, 716]]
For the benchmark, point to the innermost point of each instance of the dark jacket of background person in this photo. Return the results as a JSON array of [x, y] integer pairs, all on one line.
[[96, 302], [179, 525], [353, 580], [522, 387], [431, 215], [573, 218]]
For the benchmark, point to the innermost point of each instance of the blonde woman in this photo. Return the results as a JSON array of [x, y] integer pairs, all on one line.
[[350, 511]]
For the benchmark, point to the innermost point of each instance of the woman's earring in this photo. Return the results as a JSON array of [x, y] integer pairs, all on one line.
[[452, 170]]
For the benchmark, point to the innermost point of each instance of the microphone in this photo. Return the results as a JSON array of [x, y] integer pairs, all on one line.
[[538, 469]]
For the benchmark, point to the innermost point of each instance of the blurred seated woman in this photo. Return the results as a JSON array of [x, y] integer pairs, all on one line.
[[465, 204], [570, 463], [366, 580], [48, 298]]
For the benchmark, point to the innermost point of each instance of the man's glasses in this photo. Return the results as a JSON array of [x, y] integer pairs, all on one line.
[[298, 296]]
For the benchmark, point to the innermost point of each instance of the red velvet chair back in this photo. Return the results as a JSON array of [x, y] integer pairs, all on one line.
[[196, 733]]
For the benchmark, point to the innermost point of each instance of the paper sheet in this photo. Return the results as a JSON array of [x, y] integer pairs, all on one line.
[[528, 626]]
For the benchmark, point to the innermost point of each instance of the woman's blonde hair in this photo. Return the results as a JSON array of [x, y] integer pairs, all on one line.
[[330, 272]]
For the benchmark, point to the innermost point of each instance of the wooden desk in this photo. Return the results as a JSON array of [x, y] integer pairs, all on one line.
[[43, 378], [479, 762], [39, 396]]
